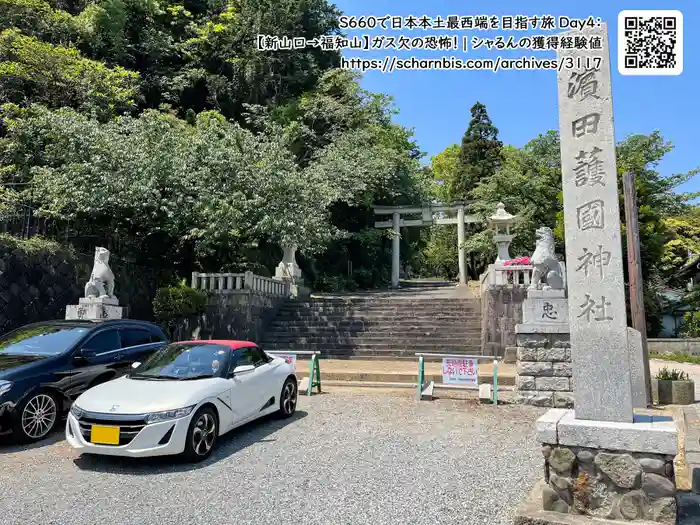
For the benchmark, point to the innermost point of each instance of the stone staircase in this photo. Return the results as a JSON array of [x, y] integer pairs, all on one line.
[[394, 325]]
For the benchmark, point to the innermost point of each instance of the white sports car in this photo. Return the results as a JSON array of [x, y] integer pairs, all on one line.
[[181, 400]]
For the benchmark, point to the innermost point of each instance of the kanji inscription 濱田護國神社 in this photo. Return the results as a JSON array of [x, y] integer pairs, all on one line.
[[597, 311]]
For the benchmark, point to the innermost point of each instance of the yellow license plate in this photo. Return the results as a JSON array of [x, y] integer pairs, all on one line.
[[104, 435]]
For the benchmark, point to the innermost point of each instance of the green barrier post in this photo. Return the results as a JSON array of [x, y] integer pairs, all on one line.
[[495, 382], [314, 375], [421, 376]]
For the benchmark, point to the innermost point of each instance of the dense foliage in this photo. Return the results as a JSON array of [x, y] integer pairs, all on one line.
[[157, 129], [175, 302]]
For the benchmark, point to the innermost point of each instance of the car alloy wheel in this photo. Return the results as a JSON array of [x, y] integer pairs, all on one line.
[[289, 398], [204, 434], [39, 416]]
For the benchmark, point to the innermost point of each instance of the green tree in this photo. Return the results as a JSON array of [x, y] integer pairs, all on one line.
[[444, 167], [528, 182], [438, 256], [193, 56], [344, 134], [480, 155], [57, 76], [683, 238]]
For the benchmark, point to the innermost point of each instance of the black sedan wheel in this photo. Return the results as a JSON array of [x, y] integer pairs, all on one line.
[[38, 415]]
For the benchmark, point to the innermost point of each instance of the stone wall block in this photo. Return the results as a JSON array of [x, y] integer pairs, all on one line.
[[529, 342], [551, 354], [622, 469], [527, 354], [534, 398], [553, 384], [563, 400], [540, 369], [561, 369], [525, 382]]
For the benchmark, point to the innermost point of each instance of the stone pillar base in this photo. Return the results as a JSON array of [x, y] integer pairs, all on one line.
[[543, 366], [94, 310], [615, 471], [530, 512]]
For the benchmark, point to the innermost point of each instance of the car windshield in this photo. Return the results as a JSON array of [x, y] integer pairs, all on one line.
[[185, 361], [44, 340]]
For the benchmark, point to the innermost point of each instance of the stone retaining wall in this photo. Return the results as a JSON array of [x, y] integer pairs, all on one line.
[[543, 370], [501, 310], [610, 485], [686, 346], [242, 315]]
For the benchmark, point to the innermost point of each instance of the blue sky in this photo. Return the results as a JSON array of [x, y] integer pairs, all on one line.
[[523, 104]]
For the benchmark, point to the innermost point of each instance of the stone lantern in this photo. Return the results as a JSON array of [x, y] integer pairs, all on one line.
[[502, 221], [288, 269]]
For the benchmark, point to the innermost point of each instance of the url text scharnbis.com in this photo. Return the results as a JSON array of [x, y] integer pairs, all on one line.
[[389, 64]]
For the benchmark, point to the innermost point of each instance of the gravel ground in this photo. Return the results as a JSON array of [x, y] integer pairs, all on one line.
[[348, 457]]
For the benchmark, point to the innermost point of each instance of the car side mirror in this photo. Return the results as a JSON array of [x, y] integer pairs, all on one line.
[[135, 364], [79, 357], [243, 369]]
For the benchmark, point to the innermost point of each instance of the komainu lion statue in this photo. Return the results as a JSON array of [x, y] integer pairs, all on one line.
[[546, 265], [101, 283]]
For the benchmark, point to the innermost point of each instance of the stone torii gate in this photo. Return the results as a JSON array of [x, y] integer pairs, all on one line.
[[428, 213]]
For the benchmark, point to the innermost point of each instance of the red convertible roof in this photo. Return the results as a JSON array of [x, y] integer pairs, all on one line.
[[233, 344]]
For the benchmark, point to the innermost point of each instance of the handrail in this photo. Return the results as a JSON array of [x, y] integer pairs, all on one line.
[[238, 282], [489, 357]]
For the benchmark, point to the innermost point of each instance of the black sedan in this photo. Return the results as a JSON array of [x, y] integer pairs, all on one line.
[[45, 366]]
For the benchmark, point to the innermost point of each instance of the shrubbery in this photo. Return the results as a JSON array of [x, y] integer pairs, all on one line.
[[176, 302], [690, 326]]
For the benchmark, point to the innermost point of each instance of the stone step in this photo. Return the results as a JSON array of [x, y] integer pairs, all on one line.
[[382, 306], [363, 339], [324, 348], [398, 316], [360, 322], [443, 316], [381, 330], [389, 301]]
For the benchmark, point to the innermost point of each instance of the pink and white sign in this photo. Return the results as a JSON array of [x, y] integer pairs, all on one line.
[[460, 371]]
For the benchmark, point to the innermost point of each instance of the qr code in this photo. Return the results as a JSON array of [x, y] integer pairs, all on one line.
[[650, 42]]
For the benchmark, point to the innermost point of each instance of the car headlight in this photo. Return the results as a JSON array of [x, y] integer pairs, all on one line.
[[156, 417], [76, 411], [5, 387]]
